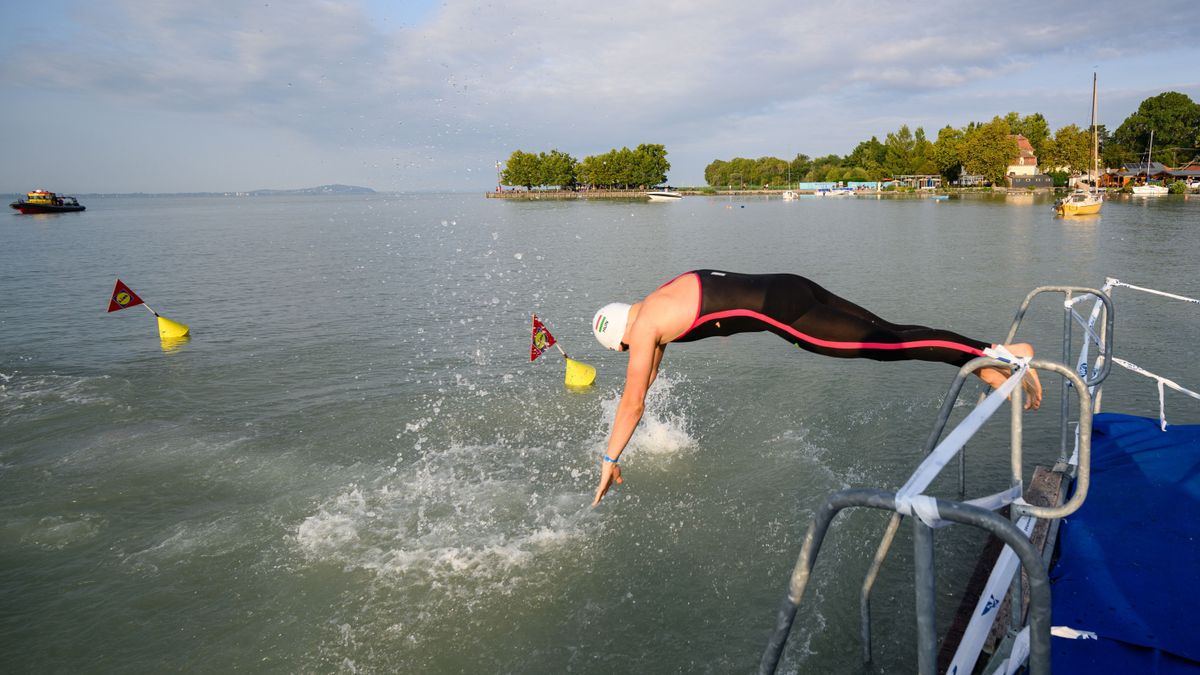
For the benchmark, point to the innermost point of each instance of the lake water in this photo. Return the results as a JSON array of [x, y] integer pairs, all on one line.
[[353, 467]]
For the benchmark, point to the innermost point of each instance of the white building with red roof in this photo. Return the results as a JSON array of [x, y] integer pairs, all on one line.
[[1025, 163]]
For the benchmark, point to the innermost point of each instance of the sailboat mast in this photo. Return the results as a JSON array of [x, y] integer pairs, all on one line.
[[1095, 141], [1149, 152]]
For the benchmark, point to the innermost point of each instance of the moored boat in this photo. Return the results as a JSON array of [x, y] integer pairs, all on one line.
[[1085, 202], [44, 201], [1079, 203], [1149, 189], [664, 195], [834, 192]]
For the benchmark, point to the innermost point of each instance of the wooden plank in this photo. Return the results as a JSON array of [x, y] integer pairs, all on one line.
[[1043, 490]]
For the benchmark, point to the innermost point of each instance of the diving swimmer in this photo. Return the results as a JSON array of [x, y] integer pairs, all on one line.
[[707, 303]]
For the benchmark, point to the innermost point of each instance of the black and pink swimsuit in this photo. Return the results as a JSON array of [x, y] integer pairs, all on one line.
[[814, 319]]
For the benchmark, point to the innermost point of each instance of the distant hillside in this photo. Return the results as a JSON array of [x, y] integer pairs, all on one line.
[[321, 190]]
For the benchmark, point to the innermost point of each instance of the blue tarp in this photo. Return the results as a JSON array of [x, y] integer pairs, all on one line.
[[1129, 559]]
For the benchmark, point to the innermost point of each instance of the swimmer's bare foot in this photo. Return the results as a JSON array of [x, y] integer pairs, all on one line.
[[1031, 384]]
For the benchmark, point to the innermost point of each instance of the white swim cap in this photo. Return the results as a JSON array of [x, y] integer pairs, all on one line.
[[609, 324]]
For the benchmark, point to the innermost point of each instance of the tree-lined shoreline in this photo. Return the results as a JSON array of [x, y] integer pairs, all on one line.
[[643, 166], [986, 149], [980, 149]]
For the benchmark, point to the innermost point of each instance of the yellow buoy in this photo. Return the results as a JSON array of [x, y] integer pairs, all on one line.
[[579, 374], [168, 329], [171, 345]]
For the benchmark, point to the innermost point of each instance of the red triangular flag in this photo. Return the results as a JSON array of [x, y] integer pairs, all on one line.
[[122, 297], [542, 339]]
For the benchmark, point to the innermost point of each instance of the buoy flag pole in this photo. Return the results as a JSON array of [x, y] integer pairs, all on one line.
[[578, 374], [123, 297]]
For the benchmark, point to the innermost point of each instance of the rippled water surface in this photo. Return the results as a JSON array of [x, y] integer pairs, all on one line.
[[352, 466]]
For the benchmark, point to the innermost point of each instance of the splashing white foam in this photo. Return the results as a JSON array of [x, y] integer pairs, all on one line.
[[663, 430], [19, 390], [456, 519]]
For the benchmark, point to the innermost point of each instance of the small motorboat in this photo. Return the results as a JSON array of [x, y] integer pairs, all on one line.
[[43, 201], [664, 195]]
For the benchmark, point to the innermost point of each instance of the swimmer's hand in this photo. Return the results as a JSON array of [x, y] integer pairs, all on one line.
[[609, 473], [1031, 384]]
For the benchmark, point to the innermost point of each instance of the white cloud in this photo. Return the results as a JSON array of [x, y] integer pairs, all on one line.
[[471, 81]]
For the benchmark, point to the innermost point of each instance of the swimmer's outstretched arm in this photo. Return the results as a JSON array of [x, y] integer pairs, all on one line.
[[644, 358]]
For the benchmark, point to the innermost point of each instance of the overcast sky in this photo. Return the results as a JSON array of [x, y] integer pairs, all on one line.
[[222, 95]]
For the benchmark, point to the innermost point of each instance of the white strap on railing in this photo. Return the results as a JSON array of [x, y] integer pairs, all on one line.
[[909, 500], [1074, 461], [993, 502], [988, 606], [925, 507], [1089, 325], [1081, 366], [1162, 414], [1017, 655]]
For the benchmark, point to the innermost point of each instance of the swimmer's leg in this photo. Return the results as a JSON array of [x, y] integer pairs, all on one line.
[[825, 323], [832, 330]]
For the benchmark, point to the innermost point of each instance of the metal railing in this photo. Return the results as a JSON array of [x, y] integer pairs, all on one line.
[[966, 513], [1039, 586]]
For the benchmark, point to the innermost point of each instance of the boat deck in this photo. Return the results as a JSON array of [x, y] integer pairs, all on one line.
[[1123, 545], [1128, 559]]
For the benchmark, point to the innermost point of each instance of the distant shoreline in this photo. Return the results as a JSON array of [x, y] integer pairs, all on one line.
[[533, 195]]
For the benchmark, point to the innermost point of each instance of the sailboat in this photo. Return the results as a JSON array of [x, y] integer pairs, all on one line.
[[1149, 190], [789, 194], [1086, 202]]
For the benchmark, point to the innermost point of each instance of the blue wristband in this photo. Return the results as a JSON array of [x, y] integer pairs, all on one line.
[[609, 459]]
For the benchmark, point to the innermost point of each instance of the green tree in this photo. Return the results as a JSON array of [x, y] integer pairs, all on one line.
[[1070, 148], [947, 153], [870, 157], [827, 168], [591, 171], [988, 149], [625, 168], [923, 160], [522, 168], [1175, 120], [652, 164], [857, 173], [557, 168], [770, 171], [717, 173], [741, 172], [799, 166], [1113, 154], [901, 153], [1033, 127]]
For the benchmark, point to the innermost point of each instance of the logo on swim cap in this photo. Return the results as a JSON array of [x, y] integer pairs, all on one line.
[[609, 324]]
